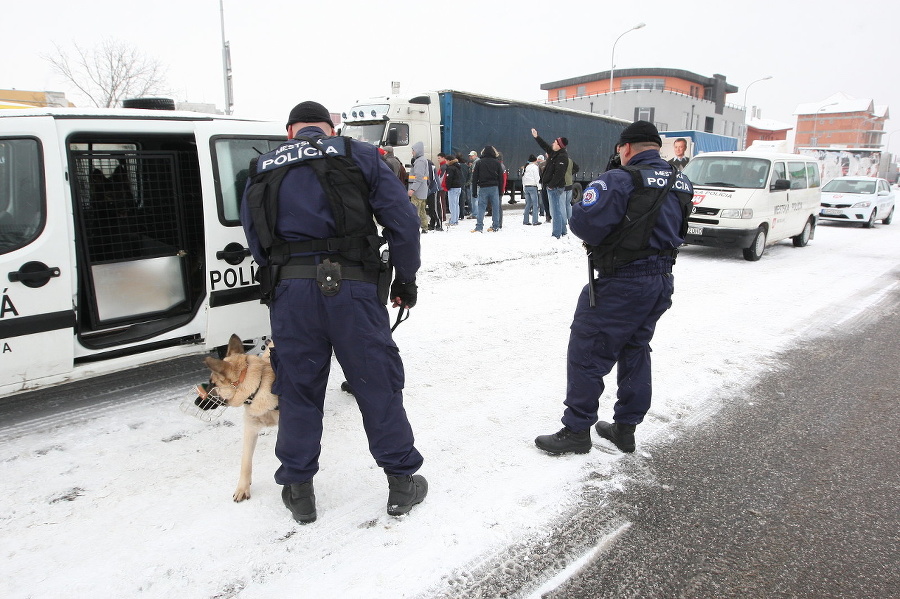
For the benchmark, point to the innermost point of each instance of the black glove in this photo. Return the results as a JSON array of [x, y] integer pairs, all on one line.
[[404, 294]]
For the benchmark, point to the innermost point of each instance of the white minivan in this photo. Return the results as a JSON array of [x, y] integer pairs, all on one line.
[[120, 242], [750, 200]]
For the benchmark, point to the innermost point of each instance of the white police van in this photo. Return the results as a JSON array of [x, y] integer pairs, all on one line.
[[753, 199], [120, 242]]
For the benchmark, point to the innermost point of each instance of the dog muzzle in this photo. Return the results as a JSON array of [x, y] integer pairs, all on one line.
[[207, 404]]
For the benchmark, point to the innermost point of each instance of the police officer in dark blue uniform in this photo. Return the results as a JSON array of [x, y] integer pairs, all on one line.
[[632, 221], [308, 214]]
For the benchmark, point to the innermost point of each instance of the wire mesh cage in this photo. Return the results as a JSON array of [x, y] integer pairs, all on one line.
[[204, 403]]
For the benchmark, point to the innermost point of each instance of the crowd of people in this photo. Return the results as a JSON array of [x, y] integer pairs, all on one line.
[[462, 187]]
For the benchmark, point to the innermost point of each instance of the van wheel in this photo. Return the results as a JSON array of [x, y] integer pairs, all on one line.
[[756, 249], [802, 239], [871, 222], [890, 217]]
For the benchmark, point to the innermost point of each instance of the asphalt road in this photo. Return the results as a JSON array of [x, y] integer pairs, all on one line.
[[792, 490]]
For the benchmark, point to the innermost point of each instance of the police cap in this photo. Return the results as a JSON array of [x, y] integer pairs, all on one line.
[[638, 132], [309, 112]]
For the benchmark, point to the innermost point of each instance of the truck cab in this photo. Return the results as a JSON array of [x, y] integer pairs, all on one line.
[[120, 242], [397, 121]]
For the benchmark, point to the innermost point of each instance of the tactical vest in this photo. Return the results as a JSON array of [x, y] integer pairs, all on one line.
[[630, 239], [345, 187]]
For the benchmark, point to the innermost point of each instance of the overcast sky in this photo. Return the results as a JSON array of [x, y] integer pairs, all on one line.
[[286, 51]]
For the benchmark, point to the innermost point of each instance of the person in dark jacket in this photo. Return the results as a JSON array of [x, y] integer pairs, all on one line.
[[344, 314], [488, 176], [454, 181], [618, 311], [554, 180]]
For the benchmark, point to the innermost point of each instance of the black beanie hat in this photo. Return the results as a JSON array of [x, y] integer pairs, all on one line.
[[309, 112], [640, 131]]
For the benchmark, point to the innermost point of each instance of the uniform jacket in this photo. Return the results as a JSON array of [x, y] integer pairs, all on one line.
[[605, 200], [304, 212]]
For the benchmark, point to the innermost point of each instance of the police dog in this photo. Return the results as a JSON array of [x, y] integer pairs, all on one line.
[[243, 380]]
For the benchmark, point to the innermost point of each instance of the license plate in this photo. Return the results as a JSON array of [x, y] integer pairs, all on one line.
[[695, 230], [831, 212]]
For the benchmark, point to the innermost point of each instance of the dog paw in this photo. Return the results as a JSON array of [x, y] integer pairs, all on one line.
[[240, 495]]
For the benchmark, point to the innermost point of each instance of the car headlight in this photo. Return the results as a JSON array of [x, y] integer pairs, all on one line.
[[737, 213], [865, 204]]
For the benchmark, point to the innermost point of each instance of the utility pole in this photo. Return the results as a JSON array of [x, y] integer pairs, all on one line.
[[226, 63]]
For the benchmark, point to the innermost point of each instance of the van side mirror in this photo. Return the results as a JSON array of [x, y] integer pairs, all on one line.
[[780, 185]]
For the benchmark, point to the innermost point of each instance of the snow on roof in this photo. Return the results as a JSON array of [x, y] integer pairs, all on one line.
[[839, 102], [768, 125]]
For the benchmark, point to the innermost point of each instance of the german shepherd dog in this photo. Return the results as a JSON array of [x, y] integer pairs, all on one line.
[[243, 380]]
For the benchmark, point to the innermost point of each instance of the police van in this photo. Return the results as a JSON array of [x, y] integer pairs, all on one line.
[[120, 242], [751, 200]]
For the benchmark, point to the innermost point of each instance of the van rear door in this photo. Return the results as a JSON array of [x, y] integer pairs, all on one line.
[[234, 306], [37, 316]]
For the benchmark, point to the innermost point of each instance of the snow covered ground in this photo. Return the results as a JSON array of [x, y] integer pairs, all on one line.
[[135, 500]]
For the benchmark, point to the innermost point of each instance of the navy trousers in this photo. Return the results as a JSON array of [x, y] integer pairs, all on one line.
[[306, 327], [617, 330]]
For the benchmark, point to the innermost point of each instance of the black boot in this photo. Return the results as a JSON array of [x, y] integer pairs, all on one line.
[[565, 441], [301, 500], [621, 435], [405, 491]]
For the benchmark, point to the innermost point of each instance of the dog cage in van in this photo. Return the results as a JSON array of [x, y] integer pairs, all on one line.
[[139, 237]]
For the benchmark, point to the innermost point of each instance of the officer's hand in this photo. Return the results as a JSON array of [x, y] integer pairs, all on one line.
[[410, 193], [404, 294], [533, 132]]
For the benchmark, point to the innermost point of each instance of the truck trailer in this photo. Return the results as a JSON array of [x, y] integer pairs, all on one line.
[[455, 122]]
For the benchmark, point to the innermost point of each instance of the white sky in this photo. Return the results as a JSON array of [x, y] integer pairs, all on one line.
[[134, 498], [285, 51]]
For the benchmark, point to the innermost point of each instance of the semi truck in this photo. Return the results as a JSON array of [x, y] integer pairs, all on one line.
[[456, 122]]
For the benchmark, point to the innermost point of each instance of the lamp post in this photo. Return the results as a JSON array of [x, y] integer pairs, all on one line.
[[747, 120], [226, 63], [612, 65], [816, 123]]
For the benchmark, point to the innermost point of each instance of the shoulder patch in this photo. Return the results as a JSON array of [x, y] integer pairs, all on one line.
[[590, 197]]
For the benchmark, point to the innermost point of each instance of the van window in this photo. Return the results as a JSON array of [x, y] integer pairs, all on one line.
[[798, 174], [779, 172], [728, 171], [232, 158], [812, 174], [21, 193]]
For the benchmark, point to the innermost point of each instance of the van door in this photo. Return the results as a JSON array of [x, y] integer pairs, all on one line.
[[779, 205], [37, 316], [233, 293]]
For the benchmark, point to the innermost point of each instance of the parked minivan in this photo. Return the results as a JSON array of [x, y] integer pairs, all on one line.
[[750, 200], [120, 242]]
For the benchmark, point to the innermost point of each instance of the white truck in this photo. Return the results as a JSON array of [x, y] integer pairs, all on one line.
[[120, 242]]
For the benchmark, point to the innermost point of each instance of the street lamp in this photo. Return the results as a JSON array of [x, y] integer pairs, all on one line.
[[612, 65], [816, 123], [746, 120]]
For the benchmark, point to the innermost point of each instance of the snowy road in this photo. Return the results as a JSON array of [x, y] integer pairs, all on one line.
[[134, 498]]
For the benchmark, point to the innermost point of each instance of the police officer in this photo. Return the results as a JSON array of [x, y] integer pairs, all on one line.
[[632, 220], [308, 214]]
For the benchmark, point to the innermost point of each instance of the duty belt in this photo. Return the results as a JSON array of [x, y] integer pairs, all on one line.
[[306, 267]]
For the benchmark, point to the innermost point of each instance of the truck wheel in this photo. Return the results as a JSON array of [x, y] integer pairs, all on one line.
[[802, 239], [577, 193], [756, 249], [890, 217]]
